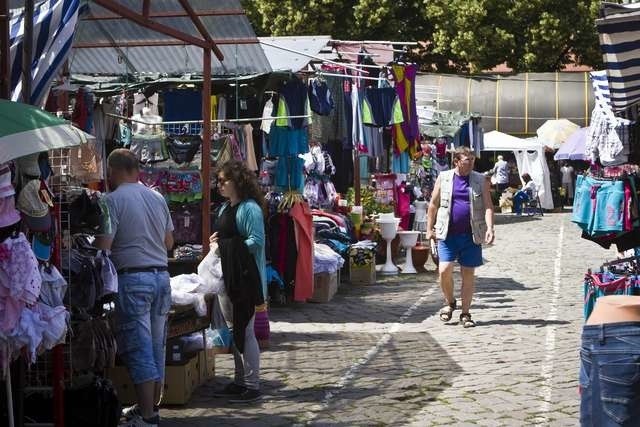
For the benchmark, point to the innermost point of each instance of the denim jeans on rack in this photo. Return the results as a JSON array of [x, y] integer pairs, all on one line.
[[610, 375]]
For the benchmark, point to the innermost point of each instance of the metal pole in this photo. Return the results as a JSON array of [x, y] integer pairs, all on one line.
[[7, 383], [206, 149], [27, 51], [5, 61]]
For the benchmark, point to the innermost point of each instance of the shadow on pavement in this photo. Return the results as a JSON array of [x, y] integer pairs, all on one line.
[[494, 286], [515, 219], [539, 323], [348, 379]]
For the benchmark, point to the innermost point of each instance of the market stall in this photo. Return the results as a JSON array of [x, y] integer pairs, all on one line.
[[530, 159]]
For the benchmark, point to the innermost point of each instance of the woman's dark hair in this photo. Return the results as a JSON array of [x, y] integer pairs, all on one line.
[[526, 177], [244, 180]]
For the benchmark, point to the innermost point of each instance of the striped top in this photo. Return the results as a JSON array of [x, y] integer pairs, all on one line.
[[619, 33]]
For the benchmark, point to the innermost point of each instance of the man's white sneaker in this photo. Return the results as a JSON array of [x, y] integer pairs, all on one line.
[[134, 411], [137, 421]]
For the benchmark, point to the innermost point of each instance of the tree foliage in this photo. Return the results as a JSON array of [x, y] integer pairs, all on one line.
[[456, 35], [529, 35]]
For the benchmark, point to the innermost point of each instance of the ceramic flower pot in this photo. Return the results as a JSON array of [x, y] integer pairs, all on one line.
[[419, 255]]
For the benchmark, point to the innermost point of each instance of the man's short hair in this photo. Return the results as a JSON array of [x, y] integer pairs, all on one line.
[[500, 158], [461, 152], [122, 159]]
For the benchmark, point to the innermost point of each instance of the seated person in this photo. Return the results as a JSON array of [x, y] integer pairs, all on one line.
[[525, 194]]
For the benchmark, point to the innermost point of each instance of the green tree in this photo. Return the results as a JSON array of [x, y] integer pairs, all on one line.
[[454, 35], [301, 17], [529, 35]]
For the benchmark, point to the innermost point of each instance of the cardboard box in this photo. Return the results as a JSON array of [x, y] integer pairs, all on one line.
[[206, 371], [179, 382], [362, 266], [325, 286]]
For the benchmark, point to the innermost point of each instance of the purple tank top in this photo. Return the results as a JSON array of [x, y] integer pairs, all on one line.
[[460, 218]]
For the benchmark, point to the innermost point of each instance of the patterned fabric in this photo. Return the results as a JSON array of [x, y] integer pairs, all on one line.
[[20, 280]]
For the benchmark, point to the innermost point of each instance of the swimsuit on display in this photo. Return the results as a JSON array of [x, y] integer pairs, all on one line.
[[149, 148]]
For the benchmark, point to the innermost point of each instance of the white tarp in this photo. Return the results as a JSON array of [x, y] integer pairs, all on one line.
[[530, 159], [499, 141]]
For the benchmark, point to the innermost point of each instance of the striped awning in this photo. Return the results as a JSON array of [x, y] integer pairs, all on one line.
[[619, 32], [54, 24]]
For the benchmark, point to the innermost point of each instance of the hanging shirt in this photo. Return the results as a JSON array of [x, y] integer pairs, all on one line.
[[320, 99], [381, 107], [293, 101], [267, 112], [567, 174]]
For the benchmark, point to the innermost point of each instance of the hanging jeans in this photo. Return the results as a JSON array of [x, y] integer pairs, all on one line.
[[610, 375]]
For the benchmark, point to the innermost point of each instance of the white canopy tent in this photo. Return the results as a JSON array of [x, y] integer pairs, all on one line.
[[530, 159]]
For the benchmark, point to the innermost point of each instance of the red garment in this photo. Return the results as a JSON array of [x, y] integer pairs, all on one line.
[[303, 223], [402, 209], [340, 222]]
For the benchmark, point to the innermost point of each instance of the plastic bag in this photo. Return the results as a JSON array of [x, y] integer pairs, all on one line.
[[187, 298], [108, 273], [210, 272]]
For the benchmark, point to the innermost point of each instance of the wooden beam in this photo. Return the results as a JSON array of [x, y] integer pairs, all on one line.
[[206, 149], [201, 28], [170, 14], [152, 25], [146, 6], [143, 43]]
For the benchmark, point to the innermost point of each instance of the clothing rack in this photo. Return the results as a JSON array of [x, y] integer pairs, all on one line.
[[371, 42], [357, 54], [346, 76], [373, 66], [189, 122], [621, 260]]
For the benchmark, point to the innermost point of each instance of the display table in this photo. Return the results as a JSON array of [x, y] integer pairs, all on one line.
[[183, 319]]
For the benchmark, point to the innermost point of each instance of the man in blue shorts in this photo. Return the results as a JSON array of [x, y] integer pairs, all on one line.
[[460, 216], [141, 233]]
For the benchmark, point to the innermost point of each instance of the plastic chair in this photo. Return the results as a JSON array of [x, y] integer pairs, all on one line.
[[532, 206]]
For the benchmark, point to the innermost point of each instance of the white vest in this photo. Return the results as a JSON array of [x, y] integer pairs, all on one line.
[[478, 223]]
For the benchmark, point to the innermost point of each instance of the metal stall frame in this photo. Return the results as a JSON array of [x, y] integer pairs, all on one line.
[[207, 44]]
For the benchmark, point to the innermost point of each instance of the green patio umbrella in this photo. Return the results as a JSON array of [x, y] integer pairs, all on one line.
[[25, 129]]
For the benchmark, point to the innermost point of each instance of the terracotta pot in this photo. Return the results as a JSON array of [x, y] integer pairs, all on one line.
[[419, 256]]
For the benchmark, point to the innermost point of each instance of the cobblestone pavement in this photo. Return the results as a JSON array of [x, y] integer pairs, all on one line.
[[379, 355]]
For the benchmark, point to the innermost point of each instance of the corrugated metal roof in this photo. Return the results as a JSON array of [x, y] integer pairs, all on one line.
[[283, 60], [106, 44]]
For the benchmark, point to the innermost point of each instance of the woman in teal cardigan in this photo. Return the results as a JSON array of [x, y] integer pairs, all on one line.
[[242, 216]]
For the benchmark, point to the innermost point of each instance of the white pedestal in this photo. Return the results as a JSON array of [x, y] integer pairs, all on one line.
[[388, 231], [408, 240]]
